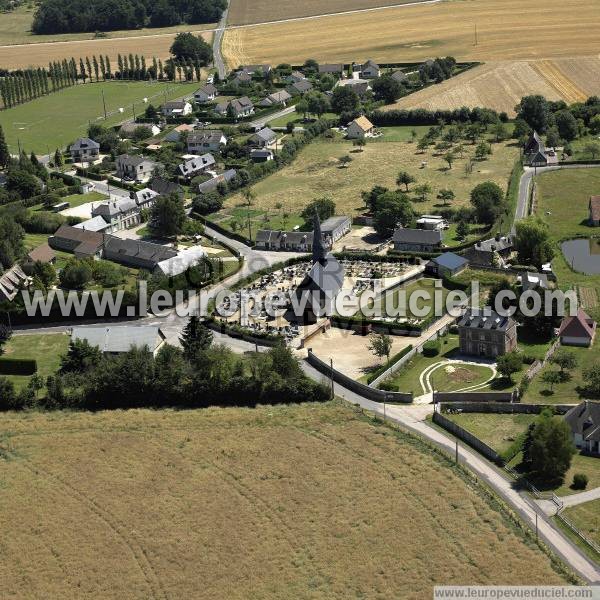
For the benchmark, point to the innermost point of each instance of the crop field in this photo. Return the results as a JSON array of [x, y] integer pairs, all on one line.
[[243, 12], [506, 30], [56, 120], [317, 172], [15, 28], [147, 43], [312, 501], [501, 85]]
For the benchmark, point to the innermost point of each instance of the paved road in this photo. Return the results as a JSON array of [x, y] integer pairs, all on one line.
[[282, 113], [217, 43], [413, 419]]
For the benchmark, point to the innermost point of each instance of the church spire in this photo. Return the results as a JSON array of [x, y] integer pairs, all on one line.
[[319, 253]]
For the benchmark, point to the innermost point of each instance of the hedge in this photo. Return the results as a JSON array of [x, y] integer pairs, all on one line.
[[17, 366], [68, 179], [375, 374], [350, 321]]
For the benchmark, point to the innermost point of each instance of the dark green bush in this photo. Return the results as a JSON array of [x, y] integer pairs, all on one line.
[[431, 349], [580, 481], [17, 366]]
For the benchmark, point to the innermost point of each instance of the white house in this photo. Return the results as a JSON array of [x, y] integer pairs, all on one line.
[[370, 70], [134, 168], [206, 93], [177, 108], [206, 140], [360, 128], [84, 150]]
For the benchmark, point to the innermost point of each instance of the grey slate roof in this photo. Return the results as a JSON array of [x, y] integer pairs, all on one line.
[[417, 236], [110, 208], [331, 224], [331, 68], [211, 184], [499, 244], [121, 338], [585, 419], [476, 319], [131, 160], [84, 143], [135, 250], [399, 76], [291, 237], [94, 224], [164, 187], [451, 261], [264, 135], [196, 164], [205, 136], [209, 89], [300, 87], [261, 153]]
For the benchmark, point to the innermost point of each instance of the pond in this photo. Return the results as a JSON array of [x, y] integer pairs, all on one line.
[[583, 255]]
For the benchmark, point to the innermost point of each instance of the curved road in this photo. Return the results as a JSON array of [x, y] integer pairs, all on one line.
[[218, 61]]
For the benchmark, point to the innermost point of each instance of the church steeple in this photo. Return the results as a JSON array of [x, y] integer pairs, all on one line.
[[319, 254]]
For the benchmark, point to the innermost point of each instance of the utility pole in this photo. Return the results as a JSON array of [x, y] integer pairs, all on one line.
[[332, 389], [536, 526], [104, 104], [476, 34], [456, 452], [133, 109]]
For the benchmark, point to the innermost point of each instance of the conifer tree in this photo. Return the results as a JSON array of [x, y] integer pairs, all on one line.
[[4, 153]]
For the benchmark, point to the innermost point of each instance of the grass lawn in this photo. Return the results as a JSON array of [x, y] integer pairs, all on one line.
[[457, 377], [56, 120], [407, 377], [497, 431], [259, 476], [586, 517], [296, 119], [46, 349], [426, 285], [79, 199], [565, 195], [316, 172]]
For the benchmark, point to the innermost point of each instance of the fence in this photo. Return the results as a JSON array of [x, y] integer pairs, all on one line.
[[357, 387], [468, 438], [473, 397]]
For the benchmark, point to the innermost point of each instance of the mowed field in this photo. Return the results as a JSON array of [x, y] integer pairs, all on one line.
[[59, 118], [501, 85], [276, 502], [507, 30], [243, 12], [316, 172], [145, 42]]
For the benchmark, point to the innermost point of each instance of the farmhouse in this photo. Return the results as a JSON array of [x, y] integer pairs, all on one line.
[[584, 421], [11, 281], [185, 259], [331, 69], [486, 335], [578, 330], [334, 228], [275, 98], [120, 339], [536, 154], [177, 108], [82, 243], [195, 166], [594, 208], [134, 253], [292, 241], [206, 93], [483, 253], [43, 254], [417, 240], [118, 214], [211, 140], [84, 150], [359, 129], [163, 187], [177, 132], [239, 107], [263, 138], [259, 155], [212, 184], [370, 70], [134, 168], [300, 87], [449, 264]]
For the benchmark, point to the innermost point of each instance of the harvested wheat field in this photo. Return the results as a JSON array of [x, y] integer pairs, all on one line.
[[501, 85], [507, 30], [243, 12], [20, 56], [312, 501]]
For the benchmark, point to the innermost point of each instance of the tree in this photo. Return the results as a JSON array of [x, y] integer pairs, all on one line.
[[4, 152], [565, 359], [552, 137], [207, 203], [592, 149], [422, 191], [533, 242], [196, 338], [5, 335], [462, 230], [324, 207], [191, 47], [318, 103], [167, 216], [488, 201], [591, 379], [80, 357], [380, 345], [58, 159], [551, 377], [450, 157], [360, 143], [535, 111], [549, 447], [404, 179], [392, 210], [8, 395], [509, 363], [566, 124], [344, 100], [345, 161], [302, 108], [370, 198], [386, 88], [446, 195], [500, 132], [75, 274], [482, 150]]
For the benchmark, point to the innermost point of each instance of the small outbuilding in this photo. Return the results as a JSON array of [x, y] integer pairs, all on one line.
[[578, 330], [449, 264]]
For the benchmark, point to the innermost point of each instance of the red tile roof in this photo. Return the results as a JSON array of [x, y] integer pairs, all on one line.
[[581, 325]]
